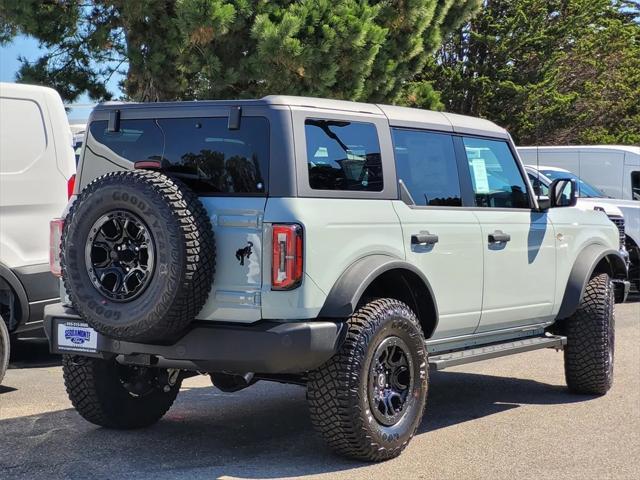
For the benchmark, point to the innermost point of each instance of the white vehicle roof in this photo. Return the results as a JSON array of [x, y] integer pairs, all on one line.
[[590, 148], [544, 167]]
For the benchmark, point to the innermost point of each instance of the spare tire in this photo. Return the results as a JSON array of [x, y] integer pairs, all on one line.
[[138, 256]]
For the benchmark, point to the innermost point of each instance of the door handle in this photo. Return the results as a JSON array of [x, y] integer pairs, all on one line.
[[424, 238], [499, 237]]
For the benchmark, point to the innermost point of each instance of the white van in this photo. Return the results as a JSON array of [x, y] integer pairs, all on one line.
[[614, 169], [37, 168]]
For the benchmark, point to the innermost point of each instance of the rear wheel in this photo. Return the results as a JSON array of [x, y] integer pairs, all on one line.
[[119, 396], [590, 331], [4, 348], [368, 400]]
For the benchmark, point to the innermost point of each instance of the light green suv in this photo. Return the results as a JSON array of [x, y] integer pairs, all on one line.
[[341, 246]]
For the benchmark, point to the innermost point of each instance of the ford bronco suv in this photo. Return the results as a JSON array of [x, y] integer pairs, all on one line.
[[346, 247]]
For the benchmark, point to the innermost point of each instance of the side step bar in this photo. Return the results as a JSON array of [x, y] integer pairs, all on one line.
[[485, 352]]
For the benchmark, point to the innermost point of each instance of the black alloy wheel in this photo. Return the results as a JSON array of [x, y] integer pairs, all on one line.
[[390, 380], [119, 255]]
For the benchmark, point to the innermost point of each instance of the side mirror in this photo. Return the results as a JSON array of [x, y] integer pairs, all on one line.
[[563, 193]]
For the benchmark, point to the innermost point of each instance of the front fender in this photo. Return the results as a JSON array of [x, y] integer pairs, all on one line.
[[581, 273]]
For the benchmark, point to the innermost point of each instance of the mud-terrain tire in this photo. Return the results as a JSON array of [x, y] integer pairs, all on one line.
[[590, 331], [146, 223], [96, 390], [342, 392], [5, 346]]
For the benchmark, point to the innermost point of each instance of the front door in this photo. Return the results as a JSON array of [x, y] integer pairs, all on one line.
[[518, 242], [441, 237]]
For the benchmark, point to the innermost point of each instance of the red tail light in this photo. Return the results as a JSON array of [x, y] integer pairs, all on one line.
[[71, 185], [286, 263], [55, 238]]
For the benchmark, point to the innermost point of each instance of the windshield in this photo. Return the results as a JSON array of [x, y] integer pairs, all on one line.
[[584, 189]]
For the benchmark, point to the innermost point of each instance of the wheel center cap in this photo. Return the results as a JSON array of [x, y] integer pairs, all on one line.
[[382, 380]]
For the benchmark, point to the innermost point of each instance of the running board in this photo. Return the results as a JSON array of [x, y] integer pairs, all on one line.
[[485, 352]]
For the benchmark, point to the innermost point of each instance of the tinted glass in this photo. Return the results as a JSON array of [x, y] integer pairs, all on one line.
[[635, 185], [585, 189], [202, 152], [426, 163], [497, 181], [343, 155], [540, 187]]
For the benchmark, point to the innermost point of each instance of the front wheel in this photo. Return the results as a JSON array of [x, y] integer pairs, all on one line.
[[588, 355], [118, 396], [368, 400]]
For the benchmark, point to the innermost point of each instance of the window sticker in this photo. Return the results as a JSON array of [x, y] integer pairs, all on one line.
[[322, 152], [480, 177]]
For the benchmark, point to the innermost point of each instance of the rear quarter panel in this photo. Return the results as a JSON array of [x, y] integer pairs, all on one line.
[[337, 232]]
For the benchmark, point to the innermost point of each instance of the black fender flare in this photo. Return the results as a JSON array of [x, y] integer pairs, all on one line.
[[348, 289], [12, 280], [581, 272]]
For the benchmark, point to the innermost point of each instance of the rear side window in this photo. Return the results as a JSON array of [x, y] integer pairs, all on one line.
[[343, 155], [635, 185], [497, 180], [202, 152], [426, 163]]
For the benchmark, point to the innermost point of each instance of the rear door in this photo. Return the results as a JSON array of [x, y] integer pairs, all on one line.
[[225, 164], [518, 243], [441, 237]]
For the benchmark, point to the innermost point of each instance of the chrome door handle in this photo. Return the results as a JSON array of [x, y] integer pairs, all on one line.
[[499, 237], [424, 238]]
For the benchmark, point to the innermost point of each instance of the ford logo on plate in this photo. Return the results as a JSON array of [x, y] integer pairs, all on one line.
[[77, 336]]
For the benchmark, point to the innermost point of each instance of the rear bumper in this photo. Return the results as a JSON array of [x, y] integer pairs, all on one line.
[[262, 347]]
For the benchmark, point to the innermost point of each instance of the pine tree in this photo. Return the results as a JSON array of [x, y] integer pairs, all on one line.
[[550, 71], [185, 49]]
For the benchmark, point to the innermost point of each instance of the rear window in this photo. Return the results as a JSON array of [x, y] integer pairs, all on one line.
[[343, 155], [202, 152]]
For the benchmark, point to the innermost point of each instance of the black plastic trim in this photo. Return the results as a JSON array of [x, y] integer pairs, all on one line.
[[581, 273], [267, 347], [38, 281], [13, 281], [347, 291]]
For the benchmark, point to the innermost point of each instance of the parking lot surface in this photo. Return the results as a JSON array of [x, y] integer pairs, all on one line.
[[505, 418]]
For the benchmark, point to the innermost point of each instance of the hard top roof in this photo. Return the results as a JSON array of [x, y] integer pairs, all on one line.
[[398, 116]]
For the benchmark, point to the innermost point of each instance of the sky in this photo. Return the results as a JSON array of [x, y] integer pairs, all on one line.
[[28, 48]]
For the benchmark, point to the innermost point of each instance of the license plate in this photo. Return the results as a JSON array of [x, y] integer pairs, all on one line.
[[77, 337]]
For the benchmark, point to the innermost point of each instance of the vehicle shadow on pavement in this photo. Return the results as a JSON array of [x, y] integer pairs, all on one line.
[[32, 353], [263, 432], [457, 397]]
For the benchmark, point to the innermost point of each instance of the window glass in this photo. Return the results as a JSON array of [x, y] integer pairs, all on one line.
[[585, 189], [635, 185], [202, 152], [497, 180], [540, 187], [426, 163], [343, 155]]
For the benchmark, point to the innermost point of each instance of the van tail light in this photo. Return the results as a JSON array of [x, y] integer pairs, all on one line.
[[71, 186], [286, 263], [55, 239]]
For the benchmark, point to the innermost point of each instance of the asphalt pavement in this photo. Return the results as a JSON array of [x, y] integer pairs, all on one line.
[[507, 418]]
